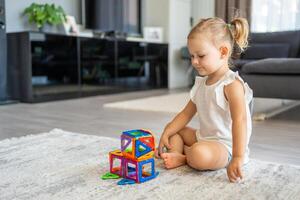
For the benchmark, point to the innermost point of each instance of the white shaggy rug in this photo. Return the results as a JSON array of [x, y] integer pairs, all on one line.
[[65, 165]]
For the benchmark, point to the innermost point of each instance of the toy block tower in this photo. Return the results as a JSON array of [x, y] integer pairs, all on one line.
[[135, 159], [137, 144]]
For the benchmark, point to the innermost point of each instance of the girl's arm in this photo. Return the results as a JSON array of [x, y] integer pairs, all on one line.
[[181, 119], [235, 95], [179, 122]]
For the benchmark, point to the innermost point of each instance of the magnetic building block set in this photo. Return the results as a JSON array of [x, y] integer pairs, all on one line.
[[135, 160]]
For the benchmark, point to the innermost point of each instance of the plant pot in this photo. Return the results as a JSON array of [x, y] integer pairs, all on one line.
[[48, 28]]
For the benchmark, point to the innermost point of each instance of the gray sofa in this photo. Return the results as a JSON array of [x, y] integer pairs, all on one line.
[[271, 64]]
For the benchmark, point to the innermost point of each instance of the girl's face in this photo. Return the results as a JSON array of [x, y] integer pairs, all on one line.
[[206, 58]]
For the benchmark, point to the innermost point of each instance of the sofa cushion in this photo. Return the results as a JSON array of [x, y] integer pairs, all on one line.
[[275, 66], [267, 50], [238, 63], [290, 37]]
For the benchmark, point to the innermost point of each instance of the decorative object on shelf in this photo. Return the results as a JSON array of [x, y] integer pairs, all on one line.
[[42, 14], [153, 34], [70, 25]]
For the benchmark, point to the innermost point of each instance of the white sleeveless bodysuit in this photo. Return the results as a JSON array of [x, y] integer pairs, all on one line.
[[214, 113]]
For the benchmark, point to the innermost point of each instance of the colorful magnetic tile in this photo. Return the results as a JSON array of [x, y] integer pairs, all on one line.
[[136, 133], [125, 181], [116, 163], [149, 141], [146, 156], [147, 132], [125, 142], [109, 175], [116, 152], [152, 173], [131, 169], [141, 149]]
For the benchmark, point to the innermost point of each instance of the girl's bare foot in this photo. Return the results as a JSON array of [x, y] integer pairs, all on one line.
[[173, 159]]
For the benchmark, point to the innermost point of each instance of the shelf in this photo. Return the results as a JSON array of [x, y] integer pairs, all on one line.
[[52, 66]]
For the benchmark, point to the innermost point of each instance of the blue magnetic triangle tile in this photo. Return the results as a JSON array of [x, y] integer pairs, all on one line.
[[125, 181], [137, 145]]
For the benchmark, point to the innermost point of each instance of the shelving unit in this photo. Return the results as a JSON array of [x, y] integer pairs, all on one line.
[[44, 66]]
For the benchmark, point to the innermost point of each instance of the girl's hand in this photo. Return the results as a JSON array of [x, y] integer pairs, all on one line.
[[163, 142], [234, 169]]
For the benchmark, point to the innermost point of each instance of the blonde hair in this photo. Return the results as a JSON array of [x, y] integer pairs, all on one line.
[[236, 32]]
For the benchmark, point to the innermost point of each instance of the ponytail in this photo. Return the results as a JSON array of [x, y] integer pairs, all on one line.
[[236, 33], [239, 28]]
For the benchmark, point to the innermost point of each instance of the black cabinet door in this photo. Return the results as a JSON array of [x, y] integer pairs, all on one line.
[[55, 70]]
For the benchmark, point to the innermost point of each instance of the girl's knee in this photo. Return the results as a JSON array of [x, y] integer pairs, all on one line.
[[182, 131], [176, 137], [199, 157]]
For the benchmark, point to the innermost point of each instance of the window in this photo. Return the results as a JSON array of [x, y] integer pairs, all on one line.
[[275, 15]]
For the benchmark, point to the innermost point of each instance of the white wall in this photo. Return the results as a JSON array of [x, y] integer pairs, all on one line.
[[15, 22], [202, 9], [179, 27], [174, 17], [156, 13]]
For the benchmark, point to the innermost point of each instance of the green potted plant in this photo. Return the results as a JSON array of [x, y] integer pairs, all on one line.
[[42, 14]]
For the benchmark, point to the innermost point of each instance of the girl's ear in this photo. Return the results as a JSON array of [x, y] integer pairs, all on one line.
[[224, 50]]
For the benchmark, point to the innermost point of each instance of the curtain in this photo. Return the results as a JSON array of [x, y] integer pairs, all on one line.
[[275, 15], [228, 9]]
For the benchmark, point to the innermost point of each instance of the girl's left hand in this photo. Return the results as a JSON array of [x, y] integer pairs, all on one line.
[[234, 169]]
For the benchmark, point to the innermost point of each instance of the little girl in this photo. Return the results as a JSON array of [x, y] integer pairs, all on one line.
[[219, 97]]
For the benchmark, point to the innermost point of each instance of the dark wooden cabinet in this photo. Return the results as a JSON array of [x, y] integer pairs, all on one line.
[[46, 67]]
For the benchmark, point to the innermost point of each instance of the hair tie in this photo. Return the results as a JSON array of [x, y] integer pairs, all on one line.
[[228, 25]]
